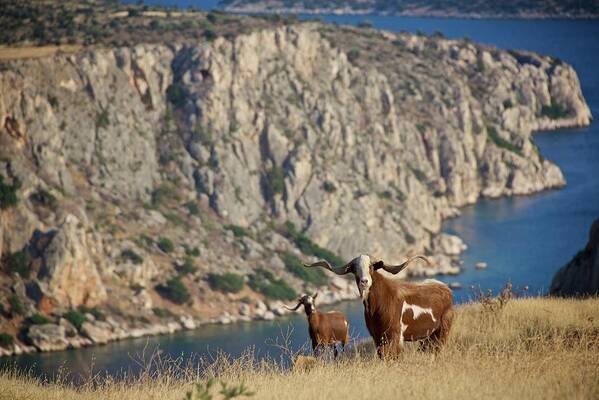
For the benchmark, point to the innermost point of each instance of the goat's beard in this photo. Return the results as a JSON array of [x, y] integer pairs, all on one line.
[[364, 294]]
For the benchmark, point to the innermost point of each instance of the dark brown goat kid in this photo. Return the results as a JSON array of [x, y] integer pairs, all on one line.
[[326, 329], [397, 311]]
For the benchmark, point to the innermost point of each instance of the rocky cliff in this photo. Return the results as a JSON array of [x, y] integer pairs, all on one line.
[[580, 277], [144, 175]]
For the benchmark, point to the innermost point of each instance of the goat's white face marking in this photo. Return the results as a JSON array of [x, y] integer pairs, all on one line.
[[362, 272]]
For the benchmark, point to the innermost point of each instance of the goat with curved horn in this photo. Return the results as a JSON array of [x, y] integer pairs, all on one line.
[[325, 329], [397, 311]]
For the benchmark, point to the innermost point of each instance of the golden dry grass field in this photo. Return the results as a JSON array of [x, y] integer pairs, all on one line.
[[531, 349]]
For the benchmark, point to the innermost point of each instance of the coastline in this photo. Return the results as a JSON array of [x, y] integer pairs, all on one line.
[[410, 13]]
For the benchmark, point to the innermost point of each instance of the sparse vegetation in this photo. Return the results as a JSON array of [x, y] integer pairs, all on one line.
[[204, 391], [192, 208], [228, 282], [38, 319], [16, 306], [307, 246], [76, 318], [102, 121], [329, 187], [274, 181], [175, 291], [501, 142], [238, 231], [188, 267], [131, 255], [6, 340], [166, 245], [162, 312], [316, 276], [95, 311], [44, 198], [353, 55], [177, 95], [555, 111], [264, 282], [8, 194], [19, 263]]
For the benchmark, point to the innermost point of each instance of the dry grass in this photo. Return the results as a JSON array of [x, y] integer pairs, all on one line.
[[14, 53], [533, 348]]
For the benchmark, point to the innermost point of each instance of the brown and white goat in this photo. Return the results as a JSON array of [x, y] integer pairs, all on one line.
[[325, 329], [397, 311]]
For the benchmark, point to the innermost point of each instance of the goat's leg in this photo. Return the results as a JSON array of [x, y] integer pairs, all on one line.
[[335, 349], [439, 337]]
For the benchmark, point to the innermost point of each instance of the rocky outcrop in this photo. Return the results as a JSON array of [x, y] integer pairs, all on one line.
[[580, 277], [69, 274], [48, 337]]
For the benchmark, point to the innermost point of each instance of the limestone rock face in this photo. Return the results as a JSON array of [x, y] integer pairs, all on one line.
[[580, 277], [48, 337], [69, 266]]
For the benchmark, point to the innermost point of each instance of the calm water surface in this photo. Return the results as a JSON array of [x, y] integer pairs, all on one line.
[[524, 239]]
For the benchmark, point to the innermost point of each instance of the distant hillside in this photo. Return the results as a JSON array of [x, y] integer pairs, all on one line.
[[438, 8]]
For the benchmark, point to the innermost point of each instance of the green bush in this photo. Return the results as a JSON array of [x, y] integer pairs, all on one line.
[[192, 207], [188, 267], [307, 246], [264, 282], [274, 181], [329, 187], [38, 319], [102, 121], [18, 262], [175, 291], [191, 251], [294, 265], [501, 142], [555, 111], [238, 231], [162, 312], [353, 55], [131, 255], [44, 198], [177, 95], [166, 245], [95, 311], [6, 340], [8, 194], [210, 35], [75, 318], [228, 282], [16, 306]]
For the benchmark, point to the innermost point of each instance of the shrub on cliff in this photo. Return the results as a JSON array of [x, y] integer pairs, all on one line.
[[76, 318], [188, 267], [274, 181], [8, 194], [228, 282], [501, 142], [38, 319], [175, 291], [238, 231], [307, 246], [131, 255], [165, 245], [264, 282], [177, 95], [6, 340], [294, 265], [18, 262], [555, 111], [16, 306], [95, 311]]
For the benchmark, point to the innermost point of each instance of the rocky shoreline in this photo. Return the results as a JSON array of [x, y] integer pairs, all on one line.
[[422, 13]]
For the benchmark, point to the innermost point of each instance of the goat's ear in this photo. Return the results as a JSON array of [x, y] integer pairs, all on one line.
[[378, 265]]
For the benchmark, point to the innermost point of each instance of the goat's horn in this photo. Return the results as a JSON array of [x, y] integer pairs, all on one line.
[[338, 270], [314, 295], [293, 309], [395, 269]]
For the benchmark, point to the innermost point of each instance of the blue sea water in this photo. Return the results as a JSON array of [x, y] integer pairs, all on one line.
[[523, 239]]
